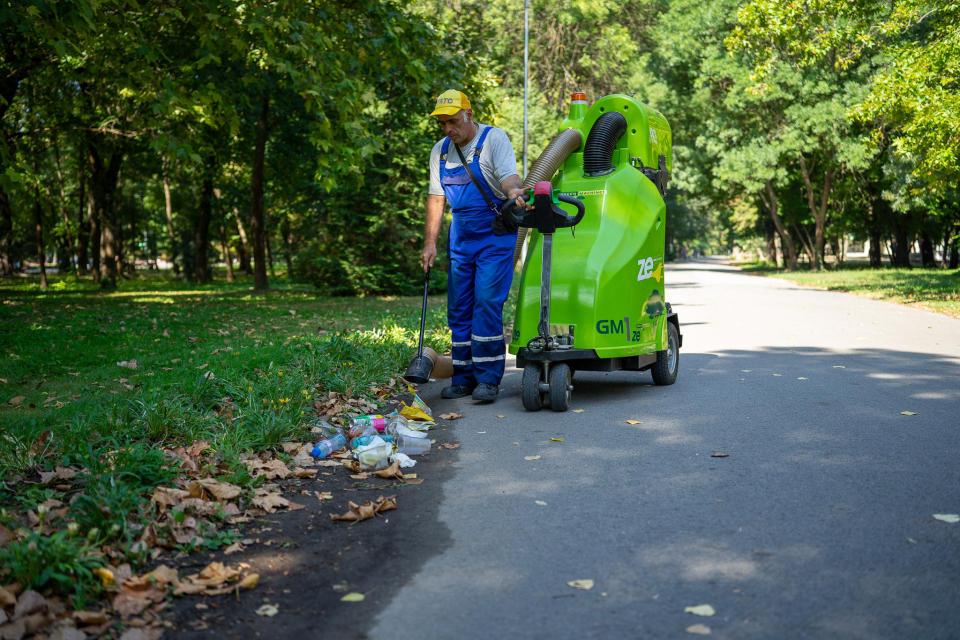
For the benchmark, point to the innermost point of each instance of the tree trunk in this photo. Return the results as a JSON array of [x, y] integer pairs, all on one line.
[[118, 211], [103, 187], [770, 200], [769, 235], [926, 251], [225, 247], [273, 274], [256, 198], [95, 236], [838, 249], [165, 166], [901, 251], [819, 212], [38, 222], [243, 247], [63, 200], [955, 249], [201, 269], [83, 226], [285, 236], [6, 234]]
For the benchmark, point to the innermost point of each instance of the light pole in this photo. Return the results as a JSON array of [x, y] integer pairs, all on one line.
[[526, 77]]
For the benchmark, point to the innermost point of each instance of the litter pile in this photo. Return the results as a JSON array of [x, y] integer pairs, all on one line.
[[380, 445]]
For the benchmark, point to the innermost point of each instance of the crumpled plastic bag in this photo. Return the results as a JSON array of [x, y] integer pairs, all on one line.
[[404, 460]]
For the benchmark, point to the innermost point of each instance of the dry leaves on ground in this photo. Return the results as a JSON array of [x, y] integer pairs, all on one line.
[[450, 446], [450, 416], [531, 457], [132, 365], [699, 629], [369, 509]]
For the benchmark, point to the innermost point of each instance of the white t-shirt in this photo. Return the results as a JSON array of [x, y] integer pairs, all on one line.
[[497, 160]]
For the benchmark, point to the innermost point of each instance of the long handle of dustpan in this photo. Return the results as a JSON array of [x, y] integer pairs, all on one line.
[[423, 312]]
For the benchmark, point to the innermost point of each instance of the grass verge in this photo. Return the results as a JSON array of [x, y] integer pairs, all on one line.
[[102, 392], [931, 289]]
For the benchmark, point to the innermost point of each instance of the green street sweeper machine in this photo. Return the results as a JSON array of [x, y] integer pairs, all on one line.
[[592, 292]]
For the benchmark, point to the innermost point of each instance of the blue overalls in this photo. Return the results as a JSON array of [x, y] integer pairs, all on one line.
[[481, 270]]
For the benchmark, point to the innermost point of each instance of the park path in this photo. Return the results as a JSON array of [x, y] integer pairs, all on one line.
[[819, 524]]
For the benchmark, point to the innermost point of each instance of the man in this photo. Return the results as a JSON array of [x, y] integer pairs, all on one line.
[[481, 262]]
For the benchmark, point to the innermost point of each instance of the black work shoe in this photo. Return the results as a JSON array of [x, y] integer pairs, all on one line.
[[486, 392], [455, 391]]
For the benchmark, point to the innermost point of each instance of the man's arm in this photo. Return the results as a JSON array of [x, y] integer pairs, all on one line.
[[435, 206]]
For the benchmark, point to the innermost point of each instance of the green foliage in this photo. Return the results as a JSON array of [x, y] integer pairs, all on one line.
[[64, 560]]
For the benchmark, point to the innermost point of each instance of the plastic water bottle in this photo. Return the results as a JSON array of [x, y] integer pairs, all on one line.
[[325, 447], [378, 422]]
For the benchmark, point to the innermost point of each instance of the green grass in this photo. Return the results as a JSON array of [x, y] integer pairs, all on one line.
[[220, 362], [932, 289]]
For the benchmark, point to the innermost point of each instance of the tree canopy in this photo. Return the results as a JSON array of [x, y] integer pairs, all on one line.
[[259, 133]]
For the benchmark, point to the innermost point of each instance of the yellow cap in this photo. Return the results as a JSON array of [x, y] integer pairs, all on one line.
[[450, 102]]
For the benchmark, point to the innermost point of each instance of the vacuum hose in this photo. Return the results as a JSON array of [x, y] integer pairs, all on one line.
[[598, 152], [559, 149]]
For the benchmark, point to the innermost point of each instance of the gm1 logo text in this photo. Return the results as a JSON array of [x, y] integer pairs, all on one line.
[[619, 326]]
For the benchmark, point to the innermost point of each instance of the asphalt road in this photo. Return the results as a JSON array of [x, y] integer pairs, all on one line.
[[819, 524]]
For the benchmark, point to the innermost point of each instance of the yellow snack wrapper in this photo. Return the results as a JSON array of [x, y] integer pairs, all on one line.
[[414, 413]]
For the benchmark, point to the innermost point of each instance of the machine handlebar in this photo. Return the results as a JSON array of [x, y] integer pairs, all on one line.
[[546, 216]]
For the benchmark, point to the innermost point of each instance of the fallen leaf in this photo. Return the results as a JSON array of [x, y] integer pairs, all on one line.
[[393, 471], [633, 422], [268, 610], [556, 439], [803, 378], [746, 370], [300, 472], [132, 365], [450, 416], [541, 503], [89, 617], [838, 367], [352, 597], [907, 413], [777, 375], [219, 490], [16, 400], [268, 501], [369, 509], [250, 581], [701, 610], [578, 411], [699, 629], [531, 457], [947, 517], [717, 454], [450, 446], [295, 506], [175, 361], [236, 547], [203, 366], [105, 575], [585, 585], [501, 416]]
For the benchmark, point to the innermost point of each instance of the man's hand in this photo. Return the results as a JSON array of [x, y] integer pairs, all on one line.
[[427, 256], [512, 188]]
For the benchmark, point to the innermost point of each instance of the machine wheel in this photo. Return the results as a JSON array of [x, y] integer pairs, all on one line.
[[530, 388], [560, 394], [668, 361]]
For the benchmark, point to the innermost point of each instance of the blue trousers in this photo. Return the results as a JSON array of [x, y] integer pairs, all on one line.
[[477, 286]]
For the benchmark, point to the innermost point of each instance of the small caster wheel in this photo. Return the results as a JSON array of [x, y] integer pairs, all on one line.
[[530, 388], [668, 361], [561, 394]]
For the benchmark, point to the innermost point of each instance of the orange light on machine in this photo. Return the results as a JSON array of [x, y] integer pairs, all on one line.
[[579, 96]]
